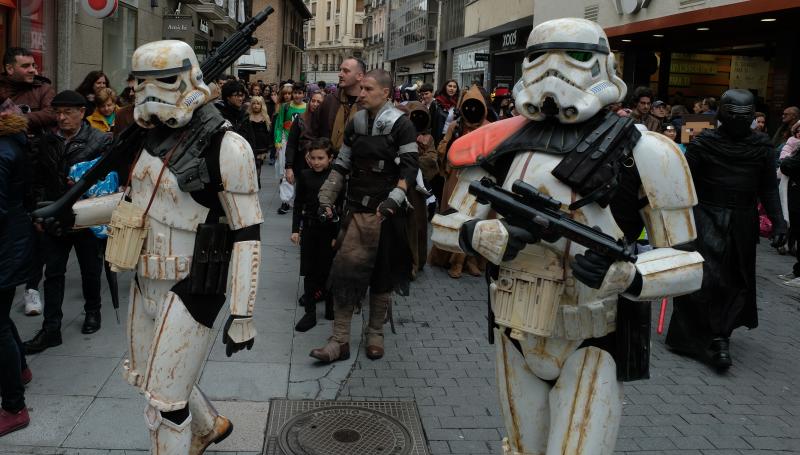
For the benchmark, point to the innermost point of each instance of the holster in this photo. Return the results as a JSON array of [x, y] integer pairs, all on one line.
[[212, 254]]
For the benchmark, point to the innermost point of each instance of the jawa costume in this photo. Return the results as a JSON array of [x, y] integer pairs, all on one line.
[[376, 153], [733, 168], [428, 166], [473, 115]]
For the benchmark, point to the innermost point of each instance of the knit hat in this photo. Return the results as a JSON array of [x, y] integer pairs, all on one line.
[[68, 98]]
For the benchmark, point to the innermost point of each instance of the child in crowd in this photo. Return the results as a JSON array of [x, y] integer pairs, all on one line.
[[283, 124], [315, 237]]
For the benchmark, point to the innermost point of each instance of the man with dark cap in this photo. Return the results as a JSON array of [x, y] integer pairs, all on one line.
[[73, 142], [733, 168]]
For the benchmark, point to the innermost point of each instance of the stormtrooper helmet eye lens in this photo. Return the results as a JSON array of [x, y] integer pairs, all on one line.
[[534, 56], [580, 56], [168, 79]]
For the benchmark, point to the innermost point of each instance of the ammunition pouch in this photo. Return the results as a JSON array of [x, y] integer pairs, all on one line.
[[211, 259]]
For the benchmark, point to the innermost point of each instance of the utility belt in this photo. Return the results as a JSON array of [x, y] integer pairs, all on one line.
[[371, 181], [728, 198], [211, 258]]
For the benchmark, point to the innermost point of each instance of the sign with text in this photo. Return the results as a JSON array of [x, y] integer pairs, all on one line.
[[429, 66], [511, 41], [479, 57], [749, 73], [178, 27], [402, 69]]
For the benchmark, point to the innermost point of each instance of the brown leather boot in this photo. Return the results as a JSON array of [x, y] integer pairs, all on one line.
[[456, 265], [471, 264], [332, 352], [222, 429]]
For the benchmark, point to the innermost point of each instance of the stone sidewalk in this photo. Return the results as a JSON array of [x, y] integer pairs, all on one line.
[[439, 357]]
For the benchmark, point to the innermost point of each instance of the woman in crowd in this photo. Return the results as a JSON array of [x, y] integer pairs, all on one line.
[[255, 89], [298, 140], [259, 131], [283, 97], [443, 109], [105, 111], [760, 122], [92, 83], [16, 250]]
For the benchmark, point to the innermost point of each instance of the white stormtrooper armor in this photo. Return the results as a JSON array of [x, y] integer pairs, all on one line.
[[556, 396], [169, 320]]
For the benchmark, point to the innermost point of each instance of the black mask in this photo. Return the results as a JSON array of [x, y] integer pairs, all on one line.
[[420, 120], [736, 113], [473, 111]]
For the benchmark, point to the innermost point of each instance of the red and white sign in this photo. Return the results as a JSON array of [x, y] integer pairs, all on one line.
[[100, 8]]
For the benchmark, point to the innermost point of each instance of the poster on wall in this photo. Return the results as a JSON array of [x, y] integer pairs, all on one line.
[[750, 73]]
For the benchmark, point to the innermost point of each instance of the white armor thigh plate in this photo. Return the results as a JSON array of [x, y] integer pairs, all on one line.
[[536, 293]]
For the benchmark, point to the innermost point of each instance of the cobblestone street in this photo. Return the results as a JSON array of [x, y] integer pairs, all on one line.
[[439, 357]]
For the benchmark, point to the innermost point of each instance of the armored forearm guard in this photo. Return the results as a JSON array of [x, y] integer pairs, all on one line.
[[245, 262], [331, 188], [667, 272]]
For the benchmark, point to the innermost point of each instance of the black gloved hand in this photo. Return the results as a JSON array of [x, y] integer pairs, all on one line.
[[388, 207], [778, 240], [230, 345], [57, 225], [591, 268]]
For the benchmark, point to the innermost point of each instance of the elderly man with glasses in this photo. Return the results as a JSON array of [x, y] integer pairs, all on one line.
[[790, 115]]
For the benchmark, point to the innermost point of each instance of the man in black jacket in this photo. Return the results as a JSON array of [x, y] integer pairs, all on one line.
[[73, 142], [733, 167]]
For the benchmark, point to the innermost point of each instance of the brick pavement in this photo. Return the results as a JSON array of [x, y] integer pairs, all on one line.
[[440, 358]]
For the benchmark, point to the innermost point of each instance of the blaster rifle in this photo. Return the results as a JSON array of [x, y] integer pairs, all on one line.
[[128, 143], [528, 208]]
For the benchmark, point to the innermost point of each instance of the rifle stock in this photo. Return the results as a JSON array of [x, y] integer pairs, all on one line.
[[527, 208], [128, 142]]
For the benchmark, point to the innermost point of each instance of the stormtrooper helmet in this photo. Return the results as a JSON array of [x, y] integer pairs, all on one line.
[[169, 84], [568, 73]]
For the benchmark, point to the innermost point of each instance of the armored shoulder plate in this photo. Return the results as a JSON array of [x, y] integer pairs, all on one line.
[[381, 126], [187, 162]]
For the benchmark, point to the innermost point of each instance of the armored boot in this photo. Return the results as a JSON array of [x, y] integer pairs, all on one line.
[[168, 437], [378, 305]]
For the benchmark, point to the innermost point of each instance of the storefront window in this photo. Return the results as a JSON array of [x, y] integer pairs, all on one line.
[[119, 42], [38, 33]]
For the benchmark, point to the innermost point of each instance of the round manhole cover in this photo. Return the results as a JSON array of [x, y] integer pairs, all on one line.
[[344, 430]]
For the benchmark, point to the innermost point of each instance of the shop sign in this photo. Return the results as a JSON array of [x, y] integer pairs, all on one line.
[[402, 69], [680, 80], [750, 73], [178, 27], [693, 67], [100, 9], [630, 6], [204, 26], [201, 47], [464, 59], [429, 66], [481, 57], [509, 41]]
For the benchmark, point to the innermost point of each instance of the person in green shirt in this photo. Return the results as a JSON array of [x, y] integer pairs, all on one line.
[[283, 124]]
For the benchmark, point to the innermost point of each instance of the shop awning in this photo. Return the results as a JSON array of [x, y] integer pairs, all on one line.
[[256, 60]]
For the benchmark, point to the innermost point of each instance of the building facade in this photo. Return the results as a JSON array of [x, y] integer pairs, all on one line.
[[375, 22], [690, 49], [411, 39], [68, 42], [335, 32], [281, 38]]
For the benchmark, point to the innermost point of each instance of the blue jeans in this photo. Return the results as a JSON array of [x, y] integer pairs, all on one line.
[[12, 358]]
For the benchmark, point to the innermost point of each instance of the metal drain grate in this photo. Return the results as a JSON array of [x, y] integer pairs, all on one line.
[[309, 427]]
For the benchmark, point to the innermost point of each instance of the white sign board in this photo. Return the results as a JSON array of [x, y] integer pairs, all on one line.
[[749, 73]]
